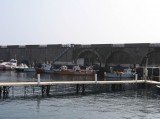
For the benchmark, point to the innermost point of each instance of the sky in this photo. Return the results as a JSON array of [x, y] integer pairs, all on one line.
[[32, 22]]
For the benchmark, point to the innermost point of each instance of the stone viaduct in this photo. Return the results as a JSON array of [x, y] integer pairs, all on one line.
[[102, 54]]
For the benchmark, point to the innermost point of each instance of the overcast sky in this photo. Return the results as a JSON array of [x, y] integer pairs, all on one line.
[[25, 22]]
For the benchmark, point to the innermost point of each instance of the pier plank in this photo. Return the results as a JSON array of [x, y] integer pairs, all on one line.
[[73, 82]]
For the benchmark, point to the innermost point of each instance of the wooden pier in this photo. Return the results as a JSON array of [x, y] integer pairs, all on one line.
[[79, 85], [70, 82]]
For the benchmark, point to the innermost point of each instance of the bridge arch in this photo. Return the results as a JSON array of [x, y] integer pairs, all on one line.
[[119, 57], [89, 54], [153, 58]]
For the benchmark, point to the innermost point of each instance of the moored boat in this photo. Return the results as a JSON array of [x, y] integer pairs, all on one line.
[[46, 68], [10, 65], [63, 70], [75, 71], [21, 67], [126, 73]]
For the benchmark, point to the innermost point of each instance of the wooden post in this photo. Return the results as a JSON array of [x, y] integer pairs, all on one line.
[[83, 88], [48, 90], [77, 88], [136, 77], [33, 90], [39, 80], [5, 91], [25, 90], [43, 90], [95, 77]]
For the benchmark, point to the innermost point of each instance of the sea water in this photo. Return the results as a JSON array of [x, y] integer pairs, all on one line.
[[128, 104]]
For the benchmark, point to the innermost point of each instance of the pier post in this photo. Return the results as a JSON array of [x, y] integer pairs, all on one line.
[[12, 90], [25, 90], [39, 80], [83, 88], [5, 91], [136, 77], [77, 88], [48, 90], [95, 77], [43, 90]]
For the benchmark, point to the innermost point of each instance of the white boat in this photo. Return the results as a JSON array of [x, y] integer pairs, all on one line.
[[127, 73], [21, 67], [8, 65]]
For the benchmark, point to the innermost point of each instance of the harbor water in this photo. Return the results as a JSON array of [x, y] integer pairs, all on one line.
[[126, 104]]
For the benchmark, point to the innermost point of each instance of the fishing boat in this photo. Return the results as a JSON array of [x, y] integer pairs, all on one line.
[[126, 73], [63, 70], [76, 70], [10, 65], [46, 68]]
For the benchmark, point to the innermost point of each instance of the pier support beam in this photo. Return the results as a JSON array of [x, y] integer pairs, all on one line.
[[45, 90], [80, 87], [5, 91], [83, 88], [77, 88]]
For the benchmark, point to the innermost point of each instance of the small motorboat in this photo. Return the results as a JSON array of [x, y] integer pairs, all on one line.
[[21, 67]]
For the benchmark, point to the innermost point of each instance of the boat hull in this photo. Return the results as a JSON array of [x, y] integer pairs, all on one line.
[[57, 72], [5, 68], [110, 75], [74, 73], [19, 69]]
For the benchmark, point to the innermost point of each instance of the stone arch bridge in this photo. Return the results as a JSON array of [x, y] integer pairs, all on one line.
[[101, 54]]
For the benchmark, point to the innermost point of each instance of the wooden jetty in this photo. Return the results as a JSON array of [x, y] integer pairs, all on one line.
[[69, 82], [45, 86]]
